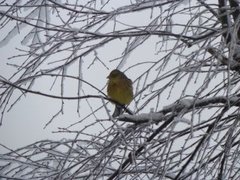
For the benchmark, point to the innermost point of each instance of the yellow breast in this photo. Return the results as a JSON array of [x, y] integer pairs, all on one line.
[[120, 90]]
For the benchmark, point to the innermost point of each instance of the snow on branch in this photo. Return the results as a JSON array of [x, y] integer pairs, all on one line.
[[184, 104]]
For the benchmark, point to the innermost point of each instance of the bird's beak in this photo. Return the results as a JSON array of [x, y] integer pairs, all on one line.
[[107, 77]]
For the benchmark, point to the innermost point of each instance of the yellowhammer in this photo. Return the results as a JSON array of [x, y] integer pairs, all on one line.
[[119, 89]]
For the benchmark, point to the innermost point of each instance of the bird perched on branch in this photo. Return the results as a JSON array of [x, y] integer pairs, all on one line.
[[120, 90]]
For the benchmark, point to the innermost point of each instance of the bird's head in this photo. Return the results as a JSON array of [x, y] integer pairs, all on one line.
[[115, 74]]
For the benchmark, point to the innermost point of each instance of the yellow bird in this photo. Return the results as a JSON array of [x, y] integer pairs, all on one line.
[[119, 89]]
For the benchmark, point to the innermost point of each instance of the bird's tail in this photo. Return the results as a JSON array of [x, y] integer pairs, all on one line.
[[118, 110]]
